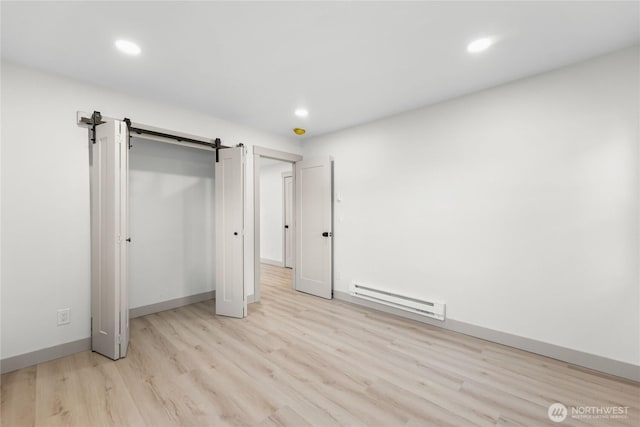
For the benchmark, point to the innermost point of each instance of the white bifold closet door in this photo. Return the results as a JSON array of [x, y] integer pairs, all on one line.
[[314, 227], [109, 234], [229, 183]]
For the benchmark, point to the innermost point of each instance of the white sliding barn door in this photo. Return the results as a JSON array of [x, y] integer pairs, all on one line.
[[314, 227], [229, 182], [109, 234]]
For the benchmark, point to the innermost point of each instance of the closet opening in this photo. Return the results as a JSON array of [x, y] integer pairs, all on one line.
[[171, 226]]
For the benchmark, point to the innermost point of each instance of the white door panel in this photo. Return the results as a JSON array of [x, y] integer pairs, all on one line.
[[109, 233], [124, 247], [314, 223], [229, 173], [288, 220]]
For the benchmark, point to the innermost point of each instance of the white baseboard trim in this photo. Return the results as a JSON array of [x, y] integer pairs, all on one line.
[[575, 357], [272, 262], [170, 305], [44, 355]]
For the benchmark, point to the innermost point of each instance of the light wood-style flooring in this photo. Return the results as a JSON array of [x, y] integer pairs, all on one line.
[[298, 360]]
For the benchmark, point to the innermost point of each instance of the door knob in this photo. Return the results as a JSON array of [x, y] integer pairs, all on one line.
[[286, 226], [235, 233], [327, 234]]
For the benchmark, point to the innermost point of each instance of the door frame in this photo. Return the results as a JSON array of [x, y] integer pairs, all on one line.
[[258, 153], [286, 175]]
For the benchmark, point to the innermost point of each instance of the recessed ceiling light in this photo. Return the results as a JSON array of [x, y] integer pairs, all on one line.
[[128, 47], [301, 112], [479, 45]]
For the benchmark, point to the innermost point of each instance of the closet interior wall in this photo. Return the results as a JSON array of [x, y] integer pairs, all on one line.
[[171, 192]]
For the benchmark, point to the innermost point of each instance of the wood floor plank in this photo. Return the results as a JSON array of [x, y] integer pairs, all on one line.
[[103, 387], [298, 360], [18, 392], [58, 401], [285, 417]]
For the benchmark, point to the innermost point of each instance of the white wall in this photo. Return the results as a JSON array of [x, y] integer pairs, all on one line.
[[271, 206], [171, 211], [517, 206], [45, 197]]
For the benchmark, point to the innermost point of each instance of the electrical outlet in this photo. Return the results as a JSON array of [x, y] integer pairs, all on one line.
[[63, 316]]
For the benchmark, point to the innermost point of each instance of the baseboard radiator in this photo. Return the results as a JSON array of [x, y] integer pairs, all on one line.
[[433, 309]]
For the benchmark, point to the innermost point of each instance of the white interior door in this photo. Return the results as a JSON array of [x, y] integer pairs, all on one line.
[[288, 221], [314, 227], [229, 182], [109, 234]]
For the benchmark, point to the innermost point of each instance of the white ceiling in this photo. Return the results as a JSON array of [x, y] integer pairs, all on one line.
[[348, 63]]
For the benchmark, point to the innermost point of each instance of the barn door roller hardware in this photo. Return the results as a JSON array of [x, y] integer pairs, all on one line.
[[96, 119], [128, 122], [217, 145]]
